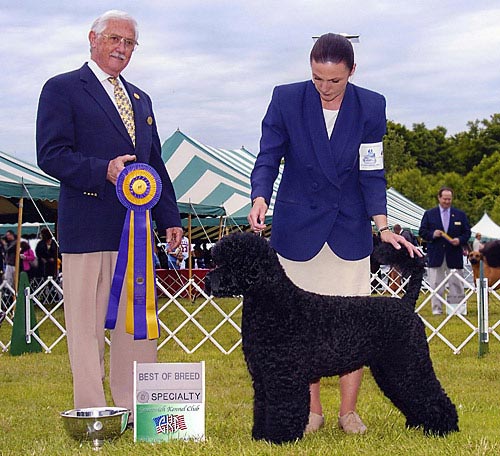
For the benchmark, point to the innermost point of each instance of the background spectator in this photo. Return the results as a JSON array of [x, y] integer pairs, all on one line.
[[46, 252]]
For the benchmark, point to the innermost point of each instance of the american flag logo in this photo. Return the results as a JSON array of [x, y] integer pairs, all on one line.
[[169, 423]]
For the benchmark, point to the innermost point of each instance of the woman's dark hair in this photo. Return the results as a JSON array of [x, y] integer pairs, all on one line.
[[334, 48], [24, 246]]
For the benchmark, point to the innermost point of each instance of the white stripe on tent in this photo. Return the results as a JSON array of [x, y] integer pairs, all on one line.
[[235, 203], [186, 152], [207, 183], [23, 171]]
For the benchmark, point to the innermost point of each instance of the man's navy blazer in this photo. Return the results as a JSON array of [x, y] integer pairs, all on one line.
[[439, 248], [79, 130], [323, 196]]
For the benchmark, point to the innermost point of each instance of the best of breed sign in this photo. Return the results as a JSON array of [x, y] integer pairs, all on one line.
[[169, 401]]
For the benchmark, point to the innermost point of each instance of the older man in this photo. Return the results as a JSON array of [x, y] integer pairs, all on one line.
[[446, 231], [91, 123]]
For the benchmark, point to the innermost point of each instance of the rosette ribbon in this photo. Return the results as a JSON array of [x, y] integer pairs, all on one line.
[[138, 188]]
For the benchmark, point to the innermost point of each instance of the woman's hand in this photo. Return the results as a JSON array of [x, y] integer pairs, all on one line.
[[257, 214], [397, 241]]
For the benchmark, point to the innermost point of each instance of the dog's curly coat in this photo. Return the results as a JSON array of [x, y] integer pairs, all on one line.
[[292, 337]]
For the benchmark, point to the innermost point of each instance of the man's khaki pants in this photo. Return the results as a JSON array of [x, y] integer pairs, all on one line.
[[87, 281]]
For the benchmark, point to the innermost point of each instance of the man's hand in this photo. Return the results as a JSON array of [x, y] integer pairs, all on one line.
[[174, 237], [115, 166], [437, 233]]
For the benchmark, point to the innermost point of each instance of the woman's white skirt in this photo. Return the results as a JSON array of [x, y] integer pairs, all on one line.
[[328, 274]]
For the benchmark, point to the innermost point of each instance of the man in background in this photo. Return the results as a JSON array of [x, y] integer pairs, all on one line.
[[406, 233], [446, 231], [477, 244]]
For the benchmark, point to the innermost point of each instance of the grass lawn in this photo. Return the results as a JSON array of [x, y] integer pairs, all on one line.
[[34, 388]]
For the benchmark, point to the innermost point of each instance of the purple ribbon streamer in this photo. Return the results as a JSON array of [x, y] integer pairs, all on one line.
[[140, 237], [118, 277]]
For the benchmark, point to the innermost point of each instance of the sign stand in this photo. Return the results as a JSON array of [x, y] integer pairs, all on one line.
[[169, 401]]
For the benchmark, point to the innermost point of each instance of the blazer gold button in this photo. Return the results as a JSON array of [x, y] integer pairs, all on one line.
[[149, 120], [136, 96]]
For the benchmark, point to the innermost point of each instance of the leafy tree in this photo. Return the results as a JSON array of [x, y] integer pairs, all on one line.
[[490, 135], [462, 152], [396, 155], [412, 184], [494, 213], [483, 186], [427, 147]]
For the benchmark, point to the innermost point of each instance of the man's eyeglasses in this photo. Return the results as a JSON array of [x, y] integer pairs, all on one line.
[[115, 40]]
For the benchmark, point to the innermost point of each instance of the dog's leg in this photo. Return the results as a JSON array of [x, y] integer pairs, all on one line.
[[287, 408], [408, 380], [259, 406]]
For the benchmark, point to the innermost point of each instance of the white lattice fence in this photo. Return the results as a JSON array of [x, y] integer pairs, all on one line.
[[494, 299], [218, 321], [192, 319], [455, 311], [7, 306]]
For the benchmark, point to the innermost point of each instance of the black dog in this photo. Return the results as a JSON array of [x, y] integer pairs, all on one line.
[[292, 338]]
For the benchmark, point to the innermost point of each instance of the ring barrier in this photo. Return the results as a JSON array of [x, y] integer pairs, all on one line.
[[7, 306], [206, 316]]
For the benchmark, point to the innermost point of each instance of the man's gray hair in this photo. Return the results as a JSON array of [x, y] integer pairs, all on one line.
[[101, 22]]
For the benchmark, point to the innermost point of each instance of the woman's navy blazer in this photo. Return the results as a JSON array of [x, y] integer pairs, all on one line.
[[323, 195]]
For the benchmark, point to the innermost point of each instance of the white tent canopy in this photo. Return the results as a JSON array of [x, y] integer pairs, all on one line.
[[487, 227]]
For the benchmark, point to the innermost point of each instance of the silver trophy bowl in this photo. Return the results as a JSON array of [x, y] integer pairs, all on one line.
[[95, 424]]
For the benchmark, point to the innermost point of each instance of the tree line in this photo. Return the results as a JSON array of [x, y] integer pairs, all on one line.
[[418, 161]]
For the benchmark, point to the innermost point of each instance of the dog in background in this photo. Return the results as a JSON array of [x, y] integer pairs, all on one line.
[[292, 338], [490, 254]]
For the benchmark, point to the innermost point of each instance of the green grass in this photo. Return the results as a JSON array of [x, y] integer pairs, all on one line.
[[34, 388]]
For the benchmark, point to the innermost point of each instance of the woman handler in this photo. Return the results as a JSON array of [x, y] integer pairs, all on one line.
[[329, 133]]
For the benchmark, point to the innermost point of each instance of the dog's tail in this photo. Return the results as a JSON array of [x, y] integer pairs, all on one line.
[[385, 253]]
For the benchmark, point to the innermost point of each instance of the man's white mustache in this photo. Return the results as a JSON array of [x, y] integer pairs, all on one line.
[[118, 55]]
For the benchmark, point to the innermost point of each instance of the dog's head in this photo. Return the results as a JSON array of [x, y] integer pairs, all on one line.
[[474, 257], [244, 262], [385, 253]]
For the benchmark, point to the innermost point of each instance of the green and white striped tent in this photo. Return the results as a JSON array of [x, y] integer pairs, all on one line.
[[23, 181], [207, 175], [403, 211], [20, 179]]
